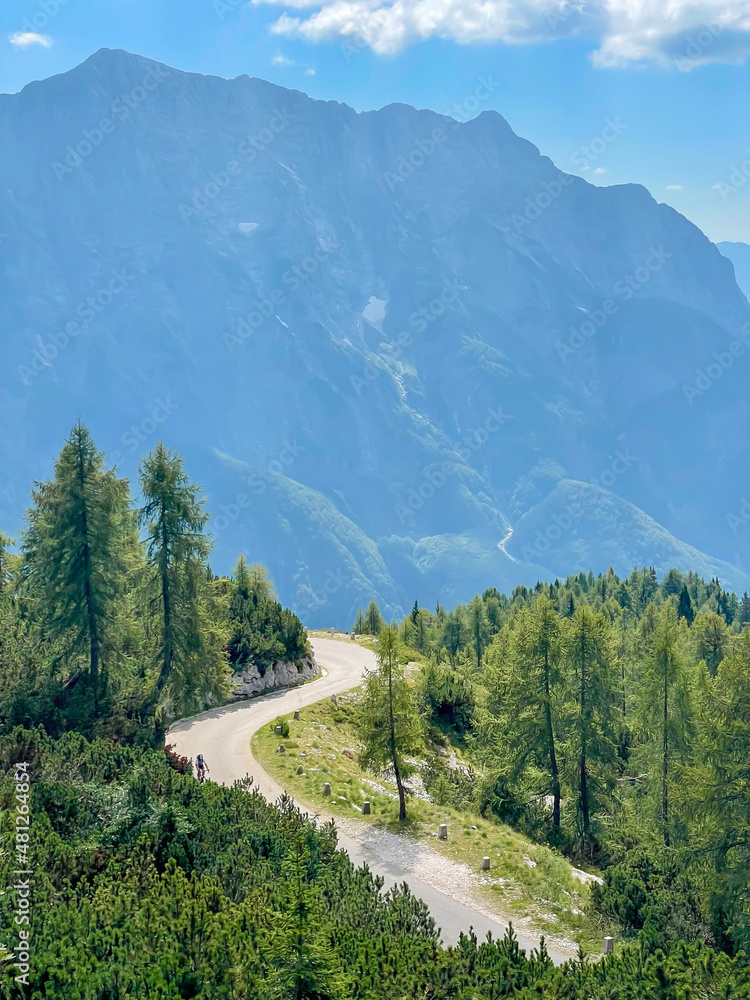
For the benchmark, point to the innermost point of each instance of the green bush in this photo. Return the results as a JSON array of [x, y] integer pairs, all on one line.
[[649, 890], [283, 722]]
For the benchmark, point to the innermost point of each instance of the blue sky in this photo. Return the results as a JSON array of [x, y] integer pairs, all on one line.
[[678, 86]]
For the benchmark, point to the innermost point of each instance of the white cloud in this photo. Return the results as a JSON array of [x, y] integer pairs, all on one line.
[[310, 71], [23, 39], [674, 187], [282, 60], [600, 170], [682, 34]]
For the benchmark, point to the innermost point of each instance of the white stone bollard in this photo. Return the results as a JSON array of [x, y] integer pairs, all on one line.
[[443, 831], [326, 789], [365, 808], [485, 864], [608, 946]]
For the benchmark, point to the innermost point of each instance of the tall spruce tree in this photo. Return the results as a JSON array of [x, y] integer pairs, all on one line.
[[685, 606], [79, 529]]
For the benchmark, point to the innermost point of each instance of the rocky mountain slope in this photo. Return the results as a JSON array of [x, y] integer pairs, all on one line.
[[739, 254], [386, 343]]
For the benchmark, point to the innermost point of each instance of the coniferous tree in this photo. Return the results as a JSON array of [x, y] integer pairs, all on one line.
[[710, 636], [389, 724], [453, 633], [174, 520], [685, 606], [717, 787], [5, 561], [479, 629], [664, 710], [303, 967], [262, 632], [360, 624], [79, 529], [591, 656], [373, 620], [526, 726]]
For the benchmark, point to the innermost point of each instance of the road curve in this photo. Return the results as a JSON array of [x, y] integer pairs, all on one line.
[[223, 736]]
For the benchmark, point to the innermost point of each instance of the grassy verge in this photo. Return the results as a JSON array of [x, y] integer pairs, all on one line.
[[525, 879]]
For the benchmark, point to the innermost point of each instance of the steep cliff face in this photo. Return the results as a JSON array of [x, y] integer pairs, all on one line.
[[380, 340], [739, 254]]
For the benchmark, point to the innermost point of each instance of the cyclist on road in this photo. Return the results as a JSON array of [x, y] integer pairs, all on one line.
[[201, 767]]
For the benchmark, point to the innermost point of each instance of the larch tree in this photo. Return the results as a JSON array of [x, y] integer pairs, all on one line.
[[373, 619], [710, 636], [479, 627], [388, 720], [664, 709], [593, 676], [174, 519], [717, 786]]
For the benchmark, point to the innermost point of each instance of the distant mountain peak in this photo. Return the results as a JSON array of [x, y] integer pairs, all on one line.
[[405, 331]]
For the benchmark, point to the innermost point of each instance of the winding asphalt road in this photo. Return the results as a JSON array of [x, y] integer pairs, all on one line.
[[223, 736]]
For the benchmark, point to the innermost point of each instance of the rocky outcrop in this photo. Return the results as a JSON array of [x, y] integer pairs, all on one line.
[[251, 682]]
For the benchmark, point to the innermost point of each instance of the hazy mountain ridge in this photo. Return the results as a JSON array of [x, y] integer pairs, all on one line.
[[380, 314], [739, 254]]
